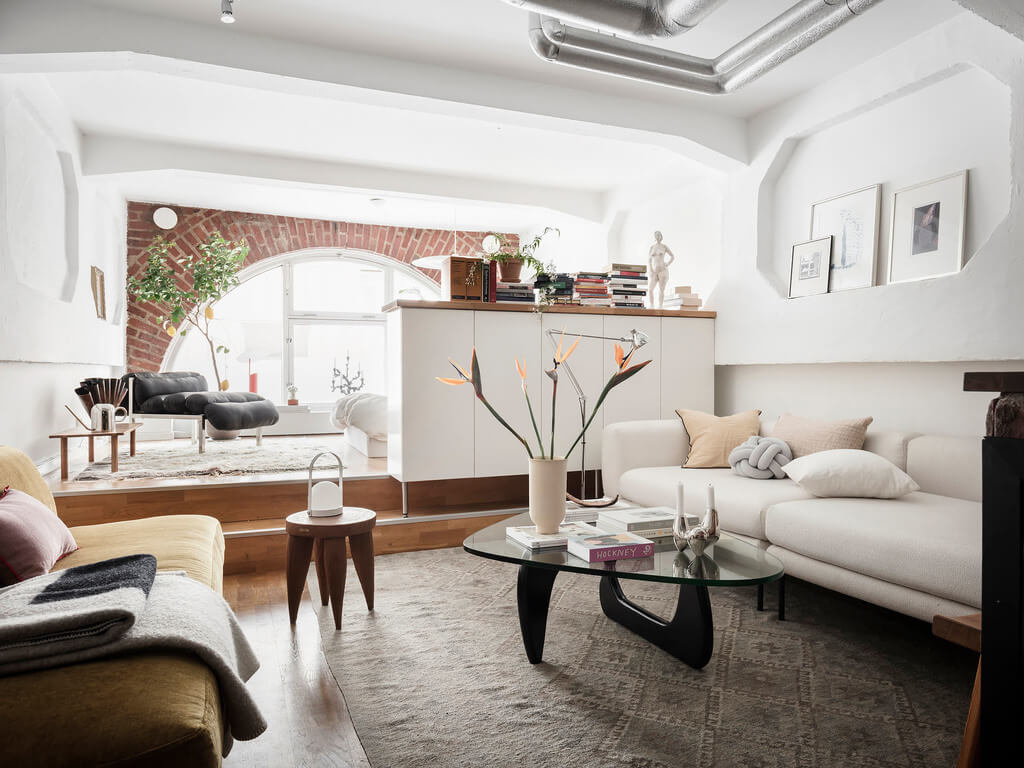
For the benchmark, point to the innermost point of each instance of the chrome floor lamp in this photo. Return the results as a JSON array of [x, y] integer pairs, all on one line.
[[635, 339]]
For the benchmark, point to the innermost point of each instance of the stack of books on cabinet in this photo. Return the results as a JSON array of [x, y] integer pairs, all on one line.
[[627, 284], [592, 289], [514, 293], [683, 297], [560, 288]]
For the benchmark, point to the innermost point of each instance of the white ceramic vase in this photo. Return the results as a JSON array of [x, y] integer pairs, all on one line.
[[547, 493]]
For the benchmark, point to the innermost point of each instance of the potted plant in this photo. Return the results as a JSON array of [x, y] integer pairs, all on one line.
[[511, 258], [292, 392], [547, 471], [209, 274]]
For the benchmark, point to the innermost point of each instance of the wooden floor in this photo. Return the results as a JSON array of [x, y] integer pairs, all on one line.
[[309, 723]]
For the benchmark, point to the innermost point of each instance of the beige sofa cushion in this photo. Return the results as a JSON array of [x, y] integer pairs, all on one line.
[[806, 436], [923, 541], [712, 438], [948, 466], [741, 501]]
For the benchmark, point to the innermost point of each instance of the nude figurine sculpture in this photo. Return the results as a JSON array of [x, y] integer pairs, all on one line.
[[658, 268]]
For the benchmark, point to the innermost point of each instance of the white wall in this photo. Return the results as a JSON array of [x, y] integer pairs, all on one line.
[[917, 397], [949, 99], [54, 226], [861, 129], [690, 219]]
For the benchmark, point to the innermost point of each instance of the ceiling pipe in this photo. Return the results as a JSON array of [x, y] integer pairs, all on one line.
[[640, 18], [779, 40]]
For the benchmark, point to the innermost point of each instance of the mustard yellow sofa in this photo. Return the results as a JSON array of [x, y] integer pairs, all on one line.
[[148, 709]]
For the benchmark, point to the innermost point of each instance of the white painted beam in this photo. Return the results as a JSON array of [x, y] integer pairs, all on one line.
[[105, 155], [67, 27]]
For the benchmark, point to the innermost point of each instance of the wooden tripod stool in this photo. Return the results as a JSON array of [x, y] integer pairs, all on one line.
[[325, 538]]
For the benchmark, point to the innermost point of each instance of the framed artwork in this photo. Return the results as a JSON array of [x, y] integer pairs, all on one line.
[[852, 220], [809, 269], [928, 227]]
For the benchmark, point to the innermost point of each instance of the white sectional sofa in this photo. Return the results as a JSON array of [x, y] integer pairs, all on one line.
[[919, 554]]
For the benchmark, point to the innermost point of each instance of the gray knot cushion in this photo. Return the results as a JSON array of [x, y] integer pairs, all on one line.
[[761, 458]]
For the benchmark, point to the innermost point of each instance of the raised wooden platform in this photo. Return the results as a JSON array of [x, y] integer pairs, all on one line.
[[442, 513]]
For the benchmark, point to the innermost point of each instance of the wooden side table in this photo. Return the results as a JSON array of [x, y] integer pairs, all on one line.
[[325, 538], [124, 428]]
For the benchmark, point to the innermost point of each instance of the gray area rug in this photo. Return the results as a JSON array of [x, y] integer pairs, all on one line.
[[181, 458], [437, 677]]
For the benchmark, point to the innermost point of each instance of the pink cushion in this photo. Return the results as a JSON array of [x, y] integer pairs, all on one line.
[[32, 538]]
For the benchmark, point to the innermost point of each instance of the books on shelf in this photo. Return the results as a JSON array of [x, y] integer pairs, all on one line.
[[597, 546], [618, 266], [505, 291], [527, 535]]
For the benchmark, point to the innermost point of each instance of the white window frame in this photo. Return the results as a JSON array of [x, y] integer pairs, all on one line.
[[292, 317]]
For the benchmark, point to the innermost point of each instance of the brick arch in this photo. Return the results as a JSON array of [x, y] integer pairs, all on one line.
[[267, 236]]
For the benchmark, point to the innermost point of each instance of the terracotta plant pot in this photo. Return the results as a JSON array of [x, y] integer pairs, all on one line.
[[547, 493], [509, 270], [292, 401]]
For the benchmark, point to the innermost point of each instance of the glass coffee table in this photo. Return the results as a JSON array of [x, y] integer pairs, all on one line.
[[688, 636]]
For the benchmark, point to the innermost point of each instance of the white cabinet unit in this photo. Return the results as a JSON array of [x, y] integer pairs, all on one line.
[[439, 432], [501, 339], [430, 425], [587, 365]]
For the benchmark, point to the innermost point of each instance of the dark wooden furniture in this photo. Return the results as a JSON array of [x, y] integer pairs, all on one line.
[[966, 631], [688, 635], [124, 428], [324, 538], [1002, 573]]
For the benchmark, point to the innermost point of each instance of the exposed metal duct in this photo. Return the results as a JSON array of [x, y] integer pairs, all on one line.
[[780, 39], [641, 18]]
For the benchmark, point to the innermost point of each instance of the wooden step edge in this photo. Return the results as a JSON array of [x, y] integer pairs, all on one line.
[[421, 518]]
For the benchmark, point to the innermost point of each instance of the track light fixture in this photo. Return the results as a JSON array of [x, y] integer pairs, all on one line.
[[227, 12]]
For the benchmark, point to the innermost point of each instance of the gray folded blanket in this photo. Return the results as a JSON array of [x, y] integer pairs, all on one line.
[[124, 606]]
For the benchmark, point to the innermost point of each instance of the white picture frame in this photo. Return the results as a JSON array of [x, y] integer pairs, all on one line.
[[809, 267], [852, 219], [929, 222]]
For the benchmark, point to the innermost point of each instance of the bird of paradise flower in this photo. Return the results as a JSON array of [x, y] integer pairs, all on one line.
[[623, 372]]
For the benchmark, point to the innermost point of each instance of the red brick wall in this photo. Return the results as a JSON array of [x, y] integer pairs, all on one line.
[[267, 236]]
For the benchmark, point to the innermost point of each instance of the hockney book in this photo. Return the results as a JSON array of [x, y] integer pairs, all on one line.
[[598, 546]]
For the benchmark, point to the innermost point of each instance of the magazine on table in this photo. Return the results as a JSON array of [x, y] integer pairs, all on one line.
[[527, 535]]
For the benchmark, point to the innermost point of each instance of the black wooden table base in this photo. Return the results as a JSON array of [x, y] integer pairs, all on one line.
[[689, 636]]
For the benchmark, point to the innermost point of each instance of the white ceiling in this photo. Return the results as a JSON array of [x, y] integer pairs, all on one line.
[[217, 115], [490, 36]]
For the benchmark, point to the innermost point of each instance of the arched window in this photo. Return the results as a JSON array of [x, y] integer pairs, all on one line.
[[300, 317]]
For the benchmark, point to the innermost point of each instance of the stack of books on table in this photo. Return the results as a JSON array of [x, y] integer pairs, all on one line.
[[683, 297], [648, 522], [575, 513], [514, 292], [585, 541], [627, 284], [592, 289]]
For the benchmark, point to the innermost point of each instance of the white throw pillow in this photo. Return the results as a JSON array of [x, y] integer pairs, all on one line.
[[851, 473]]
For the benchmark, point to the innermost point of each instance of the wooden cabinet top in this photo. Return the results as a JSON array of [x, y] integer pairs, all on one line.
[[559, 308]]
